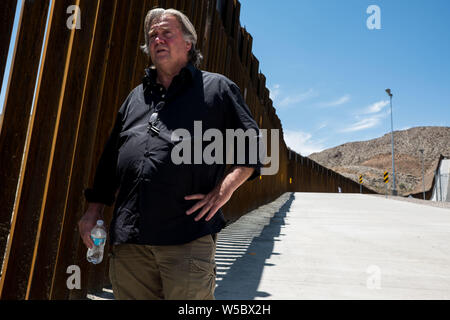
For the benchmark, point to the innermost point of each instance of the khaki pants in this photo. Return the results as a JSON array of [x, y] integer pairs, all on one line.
[[175, 272]]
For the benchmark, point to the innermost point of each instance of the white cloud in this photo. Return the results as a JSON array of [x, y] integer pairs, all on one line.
[[322, 126], [337, 102], [302, 142], [296, 98], [274, 92], [374, 114], [376, 107], [281, 100], [363, 124]]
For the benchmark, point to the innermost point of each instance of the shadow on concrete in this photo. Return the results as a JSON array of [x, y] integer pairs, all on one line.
[[242, 279]]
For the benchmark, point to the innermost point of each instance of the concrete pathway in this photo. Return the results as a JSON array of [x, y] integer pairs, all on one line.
[[336, 246]]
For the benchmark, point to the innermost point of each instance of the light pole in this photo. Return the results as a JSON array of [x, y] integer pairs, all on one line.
[[423, 176], [394, 190]]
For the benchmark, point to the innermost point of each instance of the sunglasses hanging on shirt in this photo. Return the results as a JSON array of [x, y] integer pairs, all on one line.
[[154, 119]]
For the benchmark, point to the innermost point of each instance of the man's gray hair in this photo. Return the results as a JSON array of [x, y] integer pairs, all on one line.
[[189, 33]]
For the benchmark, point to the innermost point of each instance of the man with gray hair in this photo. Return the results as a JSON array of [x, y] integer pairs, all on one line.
[[167, 215]]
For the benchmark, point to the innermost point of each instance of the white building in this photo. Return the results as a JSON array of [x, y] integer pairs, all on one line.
[[441, 189]]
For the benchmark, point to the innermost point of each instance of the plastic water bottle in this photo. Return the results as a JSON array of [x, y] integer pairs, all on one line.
[[98, 235]]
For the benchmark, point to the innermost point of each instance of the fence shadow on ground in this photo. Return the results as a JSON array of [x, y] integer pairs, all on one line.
[[241, 257]]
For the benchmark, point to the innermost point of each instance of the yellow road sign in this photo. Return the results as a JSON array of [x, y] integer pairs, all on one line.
[[386, 177]]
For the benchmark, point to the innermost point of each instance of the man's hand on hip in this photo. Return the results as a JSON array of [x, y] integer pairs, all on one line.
[[220, 195]]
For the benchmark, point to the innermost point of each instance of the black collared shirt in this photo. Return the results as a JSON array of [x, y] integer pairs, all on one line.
[[136, 169]]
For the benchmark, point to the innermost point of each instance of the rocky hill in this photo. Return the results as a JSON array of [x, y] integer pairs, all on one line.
[[371, 158]]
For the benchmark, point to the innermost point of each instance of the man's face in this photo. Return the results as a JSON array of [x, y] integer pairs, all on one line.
[[167, 45]]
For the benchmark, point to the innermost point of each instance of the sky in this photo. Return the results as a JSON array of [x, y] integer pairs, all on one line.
[[328, 62], [327, 71], [8, 61]]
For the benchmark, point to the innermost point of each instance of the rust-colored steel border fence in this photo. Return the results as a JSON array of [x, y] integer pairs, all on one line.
[[66, 82]]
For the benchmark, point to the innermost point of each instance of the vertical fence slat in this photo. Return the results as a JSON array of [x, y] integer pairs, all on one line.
[[131, 49], [207, 29], [17, 107], [142, 60], [236, 26], [228, 17], [200, 9], [213, 54]]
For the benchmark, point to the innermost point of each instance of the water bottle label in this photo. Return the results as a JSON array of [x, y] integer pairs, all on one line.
[[98, 241]]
